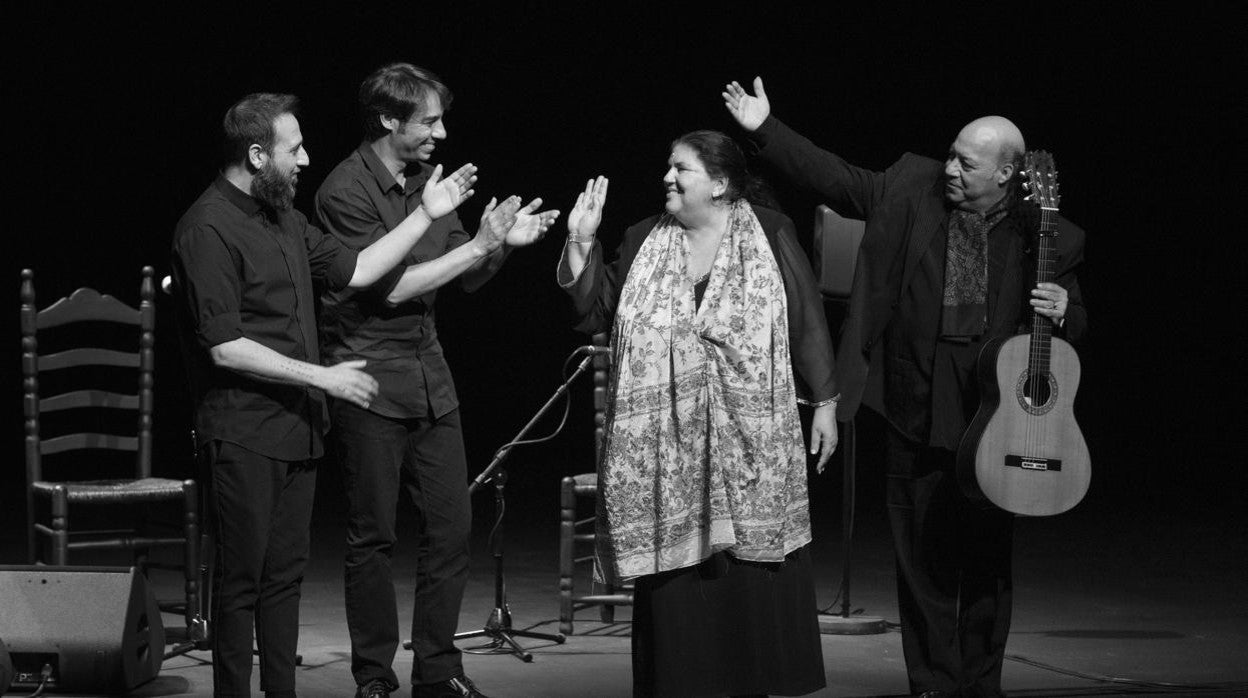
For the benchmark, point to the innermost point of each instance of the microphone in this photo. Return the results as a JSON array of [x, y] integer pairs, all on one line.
[[592, 350]]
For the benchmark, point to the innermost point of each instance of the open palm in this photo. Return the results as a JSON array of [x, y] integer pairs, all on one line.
[[529, 226], [586, 215], [749, 110], [441, 196]]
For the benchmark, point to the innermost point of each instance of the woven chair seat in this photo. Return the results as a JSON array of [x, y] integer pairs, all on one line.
[[586, 484], [151, 489]]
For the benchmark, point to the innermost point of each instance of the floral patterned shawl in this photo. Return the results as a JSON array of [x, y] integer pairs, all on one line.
[[703, 446]]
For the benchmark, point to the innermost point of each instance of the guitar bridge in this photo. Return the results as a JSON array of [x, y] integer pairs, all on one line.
[[1033, 463]]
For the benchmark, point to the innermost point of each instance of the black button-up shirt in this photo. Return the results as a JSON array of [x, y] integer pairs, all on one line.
[[359, 202], [243, 270]]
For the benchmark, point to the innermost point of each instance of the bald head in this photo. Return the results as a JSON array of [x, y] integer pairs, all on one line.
[[982, 161], [996, 132]]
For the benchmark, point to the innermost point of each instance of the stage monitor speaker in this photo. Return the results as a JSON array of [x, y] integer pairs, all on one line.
[[6, 668], [97, 628]]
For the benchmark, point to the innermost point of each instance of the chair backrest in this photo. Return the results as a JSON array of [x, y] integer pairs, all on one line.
[[836, 251], [83, 355]]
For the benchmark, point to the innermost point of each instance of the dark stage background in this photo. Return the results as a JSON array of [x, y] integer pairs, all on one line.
[[111, 118]]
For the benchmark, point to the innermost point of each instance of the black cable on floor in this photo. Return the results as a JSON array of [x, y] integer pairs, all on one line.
[[1162, 686]]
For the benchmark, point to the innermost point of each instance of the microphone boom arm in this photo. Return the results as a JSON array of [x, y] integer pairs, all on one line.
[[501, 454]]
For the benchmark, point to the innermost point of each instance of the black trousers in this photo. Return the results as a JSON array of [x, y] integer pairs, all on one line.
[[954, 588], [261, 510], [425, 458]]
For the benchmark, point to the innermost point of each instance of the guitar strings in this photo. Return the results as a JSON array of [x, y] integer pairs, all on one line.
[[1038, 368]]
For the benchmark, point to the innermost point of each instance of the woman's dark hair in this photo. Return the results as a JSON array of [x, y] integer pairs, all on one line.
[[250, 122], [397, 91], [722, 157]]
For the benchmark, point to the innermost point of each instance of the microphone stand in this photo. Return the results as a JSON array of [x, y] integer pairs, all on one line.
[[498, 628], [845, 623]]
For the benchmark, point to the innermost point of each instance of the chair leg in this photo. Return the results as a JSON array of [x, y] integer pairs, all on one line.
[[190, 504], [60, 526], [32, 535], [567, 535], [140, 527], [606, 611]]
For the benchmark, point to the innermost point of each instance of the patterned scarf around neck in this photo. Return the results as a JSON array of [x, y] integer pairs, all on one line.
[[964, 312], [703, 447]]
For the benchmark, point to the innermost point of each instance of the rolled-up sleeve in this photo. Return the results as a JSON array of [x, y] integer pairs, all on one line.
[[206, 275], [331, 262], [349, 216]]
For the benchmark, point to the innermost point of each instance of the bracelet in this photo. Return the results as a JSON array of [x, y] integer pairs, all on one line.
[[832, 400], [574, 237]]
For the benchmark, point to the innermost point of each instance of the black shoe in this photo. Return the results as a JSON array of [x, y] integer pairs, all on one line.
[[459, 687], [377, 688]]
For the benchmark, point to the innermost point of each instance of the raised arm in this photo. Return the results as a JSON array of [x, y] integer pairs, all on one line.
[[595, 288], [583, 224], [440, 197], [496, 221], [529, 226], [750, 111], [850, 191]]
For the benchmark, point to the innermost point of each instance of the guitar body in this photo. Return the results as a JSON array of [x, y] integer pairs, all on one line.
[[1024, 452]]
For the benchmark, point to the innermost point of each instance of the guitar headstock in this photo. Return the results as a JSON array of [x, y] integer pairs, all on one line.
[[1041, 179]]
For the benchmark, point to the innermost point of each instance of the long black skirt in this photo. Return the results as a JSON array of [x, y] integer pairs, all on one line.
[[728, 627]]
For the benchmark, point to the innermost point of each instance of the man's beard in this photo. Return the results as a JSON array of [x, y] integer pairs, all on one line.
[[273, 187]]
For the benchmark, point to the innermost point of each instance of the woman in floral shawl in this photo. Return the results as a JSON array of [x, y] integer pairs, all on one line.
[[717, 334]]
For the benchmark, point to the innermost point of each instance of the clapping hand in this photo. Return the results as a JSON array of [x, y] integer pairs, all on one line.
[[496, 220], [529, 226], [441, 196], [749, 110], [586, 215]]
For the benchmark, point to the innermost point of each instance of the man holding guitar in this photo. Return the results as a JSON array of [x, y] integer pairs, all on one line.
[[945, 265]]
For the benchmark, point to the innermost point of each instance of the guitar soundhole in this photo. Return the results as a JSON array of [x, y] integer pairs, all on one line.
[[1038, 396]]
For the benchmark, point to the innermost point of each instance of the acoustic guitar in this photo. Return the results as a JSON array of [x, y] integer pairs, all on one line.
[[1024, 452]]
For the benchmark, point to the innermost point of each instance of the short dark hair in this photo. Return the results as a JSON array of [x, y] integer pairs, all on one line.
[[250, 122], [722, 158], [396, 91]]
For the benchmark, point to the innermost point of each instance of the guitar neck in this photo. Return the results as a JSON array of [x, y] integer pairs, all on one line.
[[1046, 265]]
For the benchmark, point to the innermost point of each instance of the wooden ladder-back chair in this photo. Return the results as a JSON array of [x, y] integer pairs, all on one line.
[[84, 468], [574, 532]]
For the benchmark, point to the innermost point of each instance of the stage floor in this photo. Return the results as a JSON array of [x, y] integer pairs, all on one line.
[[1119, 589]]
